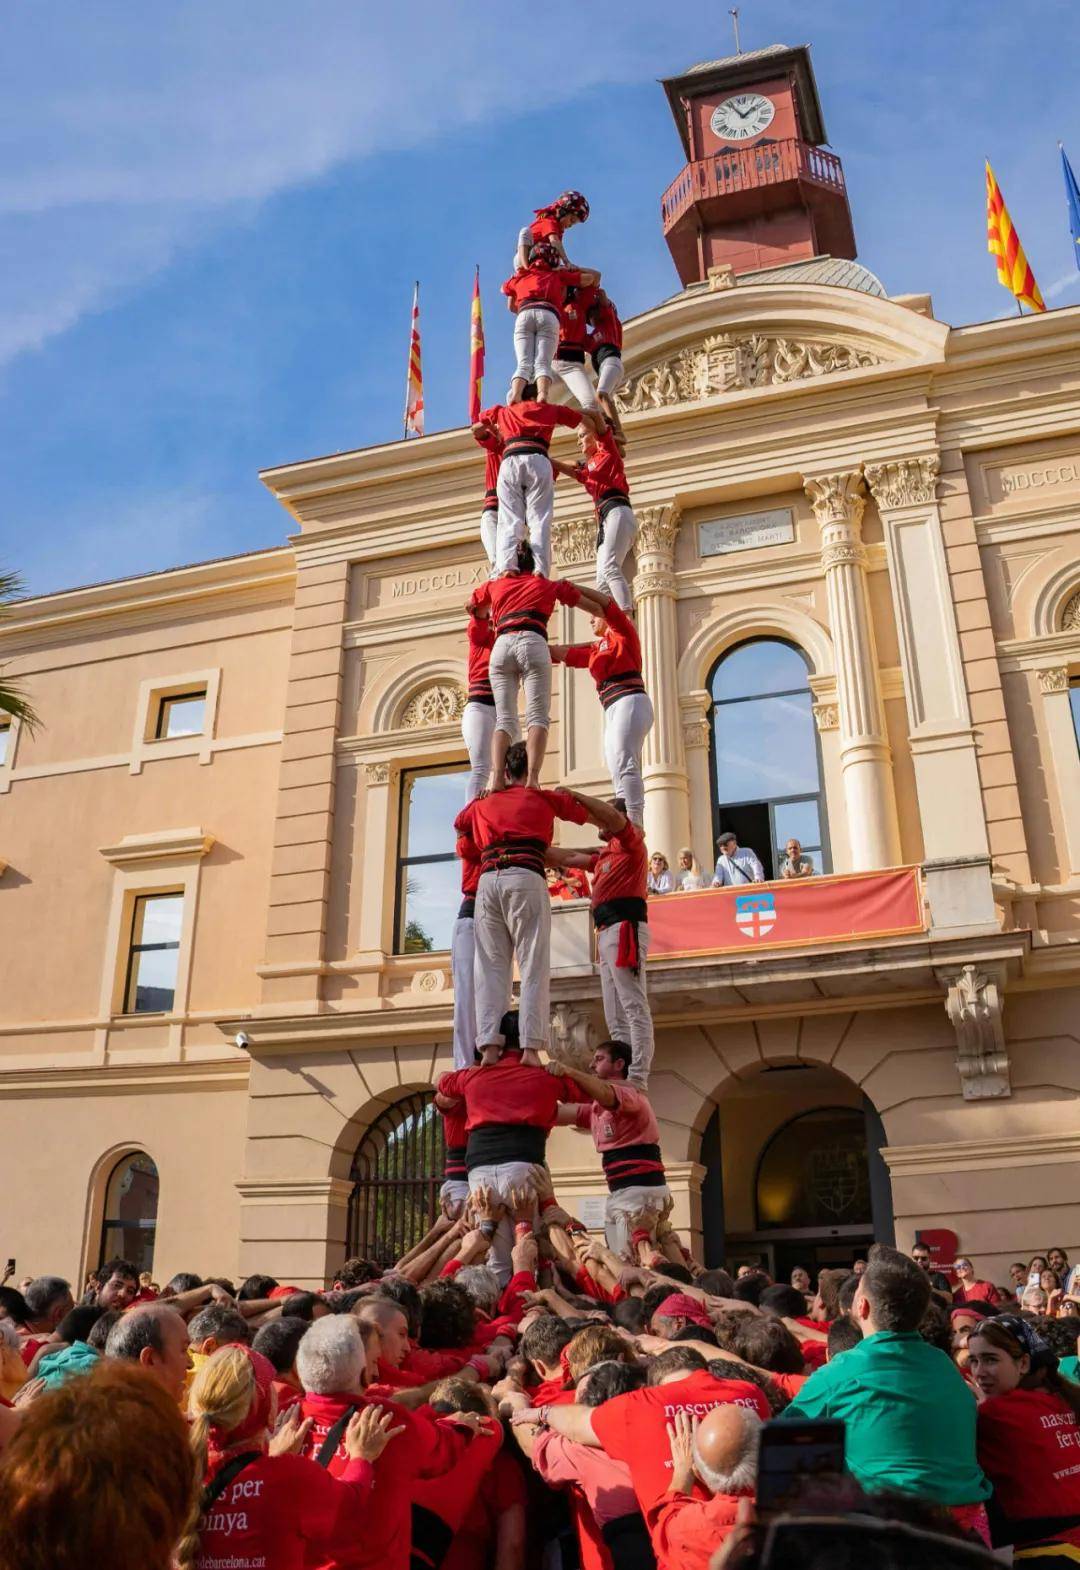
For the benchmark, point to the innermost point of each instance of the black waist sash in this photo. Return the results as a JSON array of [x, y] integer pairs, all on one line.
[[525, 620], [605, 351], [610, 912], [525, 444], [496, 1143], [431, 1537], [604, 503], [620, 685], [467, 908], [633, 1166], [480, 691], [572, 353], [627, 1539], [514, 852], [454, 1166]]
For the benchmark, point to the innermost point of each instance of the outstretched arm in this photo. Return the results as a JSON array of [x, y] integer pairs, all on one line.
[[593, 600], [602, 813], [572, 471], [598, 1089]]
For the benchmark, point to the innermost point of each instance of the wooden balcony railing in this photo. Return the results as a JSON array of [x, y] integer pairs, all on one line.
[[748, 169]]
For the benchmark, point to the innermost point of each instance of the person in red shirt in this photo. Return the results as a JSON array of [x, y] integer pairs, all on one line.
[[614, 662], [603, 474], [1027, 1441], [971, 1290], [262, 1503], [521, 604], [536, 294], [569, 362], [463, 959], [441, 1506], [625, 1132], [605, 349], [492, 444], [512, 829], [478, 716], [550, 224], [722, 1455]]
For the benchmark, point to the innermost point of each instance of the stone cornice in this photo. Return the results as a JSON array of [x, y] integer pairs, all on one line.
[[962, 1155], [116, 1079], [164, 845]]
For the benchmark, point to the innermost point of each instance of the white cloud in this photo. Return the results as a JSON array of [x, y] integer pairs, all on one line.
[[142, 531]]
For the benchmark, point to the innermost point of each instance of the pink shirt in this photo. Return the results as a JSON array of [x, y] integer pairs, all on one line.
[[604, 1482], [631, 1121]]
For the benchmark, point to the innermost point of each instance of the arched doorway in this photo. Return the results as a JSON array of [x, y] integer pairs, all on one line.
[[129, 1218], [794, 1172], [396, 1173]]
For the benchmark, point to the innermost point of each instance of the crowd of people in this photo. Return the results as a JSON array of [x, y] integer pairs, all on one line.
[[512, 1391]]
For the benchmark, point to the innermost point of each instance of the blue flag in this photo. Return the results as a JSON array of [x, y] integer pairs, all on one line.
[[1072, 194]]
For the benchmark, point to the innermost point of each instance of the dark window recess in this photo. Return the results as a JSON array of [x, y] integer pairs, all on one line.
[[396, 1173]]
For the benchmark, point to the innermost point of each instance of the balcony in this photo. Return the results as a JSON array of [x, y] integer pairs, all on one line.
[[750, 171]]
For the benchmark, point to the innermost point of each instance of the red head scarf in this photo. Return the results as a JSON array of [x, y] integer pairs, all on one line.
[[681, 1306], [258, 1416]]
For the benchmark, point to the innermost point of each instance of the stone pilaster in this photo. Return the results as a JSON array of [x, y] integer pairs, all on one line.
[[667, 793], [866, 761]]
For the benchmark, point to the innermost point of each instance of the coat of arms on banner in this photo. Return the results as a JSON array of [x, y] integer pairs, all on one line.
[[755, 914]]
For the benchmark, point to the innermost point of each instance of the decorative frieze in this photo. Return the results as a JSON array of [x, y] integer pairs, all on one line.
[[734, 362], [377, 773], [573, 1039], [837, 498], [573, 540], [442, 703], [906, 482], [1054, 679], [974, 1005], [827, 716], [1070, 616], [658, 529]]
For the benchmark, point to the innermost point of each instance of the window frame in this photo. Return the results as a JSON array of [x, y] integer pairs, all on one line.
[[134, 948], [401, 861], [824, 850], [108, 1223], [163, 703], [767, 1227]]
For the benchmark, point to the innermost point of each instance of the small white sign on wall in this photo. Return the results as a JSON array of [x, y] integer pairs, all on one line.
[[746, 531], [590, 1211]]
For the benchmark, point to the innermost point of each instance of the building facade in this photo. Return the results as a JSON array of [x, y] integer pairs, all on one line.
[[227, 864]]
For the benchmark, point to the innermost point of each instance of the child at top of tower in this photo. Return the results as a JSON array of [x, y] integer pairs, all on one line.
[[551, 223], [537, 295]]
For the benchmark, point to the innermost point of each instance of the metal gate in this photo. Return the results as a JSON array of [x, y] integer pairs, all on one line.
[[397, 1173]]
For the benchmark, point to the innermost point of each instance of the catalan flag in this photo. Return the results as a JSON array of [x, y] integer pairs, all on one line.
[[414, 385], [1003, 242], [1072, 196], [476, 351]]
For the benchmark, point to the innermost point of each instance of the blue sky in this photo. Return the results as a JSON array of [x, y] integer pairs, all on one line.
[[211, 215]]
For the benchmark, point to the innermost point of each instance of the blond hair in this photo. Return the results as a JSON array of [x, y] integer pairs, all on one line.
[[220, 1397]]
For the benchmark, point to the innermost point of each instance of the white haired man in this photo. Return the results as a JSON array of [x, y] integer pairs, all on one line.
[[719, 1451]]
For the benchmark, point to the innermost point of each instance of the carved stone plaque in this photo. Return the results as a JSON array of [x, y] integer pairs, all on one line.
[[746, 532]]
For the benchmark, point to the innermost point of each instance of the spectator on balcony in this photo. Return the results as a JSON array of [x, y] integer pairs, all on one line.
[[689, 875], [735, 865], [795, 864], [660, 880], [972, 1288]]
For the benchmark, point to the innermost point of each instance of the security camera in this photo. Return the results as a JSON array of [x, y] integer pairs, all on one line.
[[243, 1041]]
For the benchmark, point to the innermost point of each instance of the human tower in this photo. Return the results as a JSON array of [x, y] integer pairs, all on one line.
[[499, 1104]]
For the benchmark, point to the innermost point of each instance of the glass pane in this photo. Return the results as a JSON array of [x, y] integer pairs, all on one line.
[[182, 716], [133, 1191], [430, 803], [132, 1242], [815, 1172], [1074, 705], [158, 918], [755, 668], [765, 748], [153, 981], [430, 898], [797, 820], [5, 738]]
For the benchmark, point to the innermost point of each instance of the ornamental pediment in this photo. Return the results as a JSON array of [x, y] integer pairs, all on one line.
[[736, 362]]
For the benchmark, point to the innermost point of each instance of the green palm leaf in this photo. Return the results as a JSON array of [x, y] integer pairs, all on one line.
[[13, 700]]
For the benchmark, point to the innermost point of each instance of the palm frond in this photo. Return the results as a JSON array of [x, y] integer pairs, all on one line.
[[13, 700]]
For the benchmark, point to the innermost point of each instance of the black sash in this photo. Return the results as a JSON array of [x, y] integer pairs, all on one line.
[[329, 1445], [431, 1537], [224, 1477], [525, 444], [621, 684], [514, 851], [612, 911], [494, 1143]]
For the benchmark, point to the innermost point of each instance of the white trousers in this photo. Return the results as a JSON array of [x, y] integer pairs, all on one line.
[[626, 724], [462, 960], [626, 1007], [513, 920], [501, 1176], [526, 489], [620, 527], [477, 727], [610, 376], [536, 337], [576, 379], [454, 1190], [489, 532], [520, 657], [627, 1202]]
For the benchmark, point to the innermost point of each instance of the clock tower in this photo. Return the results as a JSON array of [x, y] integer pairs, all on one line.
[[759, 188]]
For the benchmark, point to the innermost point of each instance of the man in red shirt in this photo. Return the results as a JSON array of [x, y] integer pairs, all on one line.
[[605, 345], [603, 474], [569, 363], [512, 830], [492, 444], [722, 1455], [614, 663], [625, 1132], [620, 915], [536, 295], [526, 485]]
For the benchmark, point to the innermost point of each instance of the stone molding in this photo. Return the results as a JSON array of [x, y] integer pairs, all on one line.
[[378, 773], [905, 482], [961, 1155], [573, 1036], [738, 362], [836, 498], [442, 703], [658, 530], [573, 540], [1054, 678], [827, 716], [974, 1004], [164, 845], [331, 1191], [1070, 616]]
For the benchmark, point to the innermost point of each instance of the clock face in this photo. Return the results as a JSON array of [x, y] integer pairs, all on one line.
[[742, 116]]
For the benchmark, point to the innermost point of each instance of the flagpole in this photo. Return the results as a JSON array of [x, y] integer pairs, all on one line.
[[408, 364]]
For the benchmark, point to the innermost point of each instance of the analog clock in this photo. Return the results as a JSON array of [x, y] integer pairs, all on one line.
[[742, 116]]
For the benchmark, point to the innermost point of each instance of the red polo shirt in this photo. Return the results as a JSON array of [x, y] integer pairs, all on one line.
[[575, 319], [541, 286], [1028, 1444], [524, 595], [481, 638], [287, 1512], [517, 812], [603, 470], [470, 865], [510, 1091], [530, 420], [618, 650], [492, 445], [606, 326], [441, 1504], [688, 1531], [621, 870]]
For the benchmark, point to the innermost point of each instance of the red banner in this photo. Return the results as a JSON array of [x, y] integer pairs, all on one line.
[[841, 909]]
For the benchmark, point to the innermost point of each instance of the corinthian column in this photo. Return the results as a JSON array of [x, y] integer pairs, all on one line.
[[865, 759], [667, 794]]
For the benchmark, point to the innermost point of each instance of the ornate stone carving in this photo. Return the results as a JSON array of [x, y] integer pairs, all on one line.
[[440, 704], [428, 982], [1056, 679], [974, 1005], [836, 498], [646, 583], [729, 362], [722, 277], [907, 482], [658, 529], [827, 716], [1070, 616], [844, 554], [695, 734], [377, 773], [573, 540], [573, 1039]]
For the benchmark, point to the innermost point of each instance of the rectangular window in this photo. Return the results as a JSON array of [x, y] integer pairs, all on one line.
[[5, 741], [428, 872], [1074, 709], [181, 714], [154, 954]]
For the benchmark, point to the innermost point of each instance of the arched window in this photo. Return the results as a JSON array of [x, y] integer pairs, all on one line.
[[815, 1172], [397, 1173], [766, 766], [129, 1223]]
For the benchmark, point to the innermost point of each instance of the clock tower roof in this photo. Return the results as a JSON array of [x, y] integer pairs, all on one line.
[[743, 70]]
